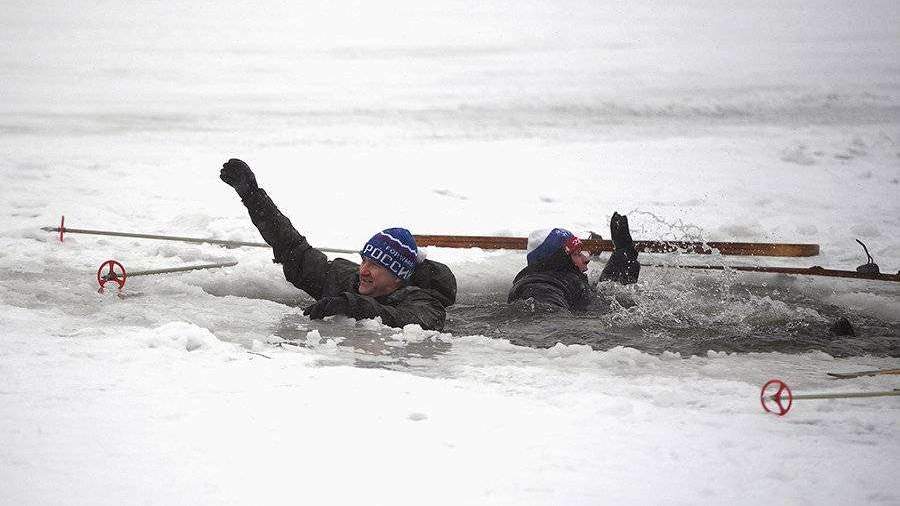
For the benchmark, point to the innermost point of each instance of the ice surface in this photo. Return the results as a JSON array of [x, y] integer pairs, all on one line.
[[748, 121]]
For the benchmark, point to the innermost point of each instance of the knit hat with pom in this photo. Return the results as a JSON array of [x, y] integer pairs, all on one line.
[[394, 249], [543, 243]]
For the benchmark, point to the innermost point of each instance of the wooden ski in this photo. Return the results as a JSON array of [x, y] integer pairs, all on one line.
[[599, 246], [848, 375]]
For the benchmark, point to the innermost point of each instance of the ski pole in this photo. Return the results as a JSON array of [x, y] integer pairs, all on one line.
[[62, 229], [804, 271], [783, 392], [512, 243], [877, 372], [849, 395], [120, 276]]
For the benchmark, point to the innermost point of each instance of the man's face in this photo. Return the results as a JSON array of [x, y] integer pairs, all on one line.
[[580, 259], [375, 280]]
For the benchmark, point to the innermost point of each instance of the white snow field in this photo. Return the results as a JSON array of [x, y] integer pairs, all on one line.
[[742, 121]]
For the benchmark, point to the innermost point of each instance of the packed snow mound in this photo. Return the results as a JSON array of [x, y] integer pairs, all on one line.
[[185, 336], [413, 333]]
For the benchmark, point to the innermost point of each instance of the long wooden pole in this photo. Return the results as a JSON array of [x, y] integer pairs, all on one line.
[[600, 246]]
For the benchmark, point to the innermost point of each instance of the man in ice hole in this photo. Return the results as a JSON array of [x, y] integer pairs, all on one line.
[[394, 280]]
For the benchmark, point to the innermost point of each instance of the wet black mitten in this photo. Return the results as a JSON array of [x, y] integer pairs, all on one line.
[[327, 306], [239, 176], [622, 266], [621, 236]]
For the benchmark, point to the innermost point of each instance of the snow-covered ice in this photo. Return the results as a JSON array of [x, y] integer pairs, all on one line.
[[746, 121]]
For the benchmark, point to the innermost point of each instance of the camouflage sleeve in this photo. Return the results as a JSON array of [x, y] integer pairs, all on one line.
[[304, 266], [415, 306]]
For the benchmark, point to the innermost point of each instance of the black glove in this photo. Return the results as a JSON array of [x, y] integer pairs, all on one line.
[[239, 176], [327, 306], [621, 236]]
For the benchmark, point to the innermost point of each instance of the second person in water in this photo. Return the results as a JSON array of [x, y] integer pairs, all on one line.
[[556, 268]]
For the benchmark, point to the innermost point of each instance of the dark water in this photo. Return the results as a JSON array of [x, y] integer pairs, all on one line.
[[689, 315], [666, 311], [374, 347]]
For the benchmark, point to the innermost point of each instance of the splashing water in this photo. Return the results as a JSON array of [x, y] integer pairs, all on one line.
[[672, 310]]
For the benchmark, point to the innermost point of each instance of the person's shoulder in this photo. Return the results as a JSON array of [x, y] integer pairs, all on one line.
[[437, 279], [530, 276], [343, 274], [432, 267], [344, 264], [413, 293]]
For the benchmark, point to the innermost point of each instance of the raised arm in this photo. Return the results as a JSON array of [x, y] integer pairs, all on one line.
[[304, 266]]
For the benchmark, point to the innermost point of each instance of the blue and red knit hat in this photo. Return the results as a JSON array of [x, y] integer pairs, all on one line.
[[543, 243], [394, 249]]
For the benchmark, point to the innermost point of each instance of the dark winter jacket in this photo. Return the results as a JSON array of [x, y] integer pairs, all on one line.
[[554, 281], [557, 281], [421, 301]]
